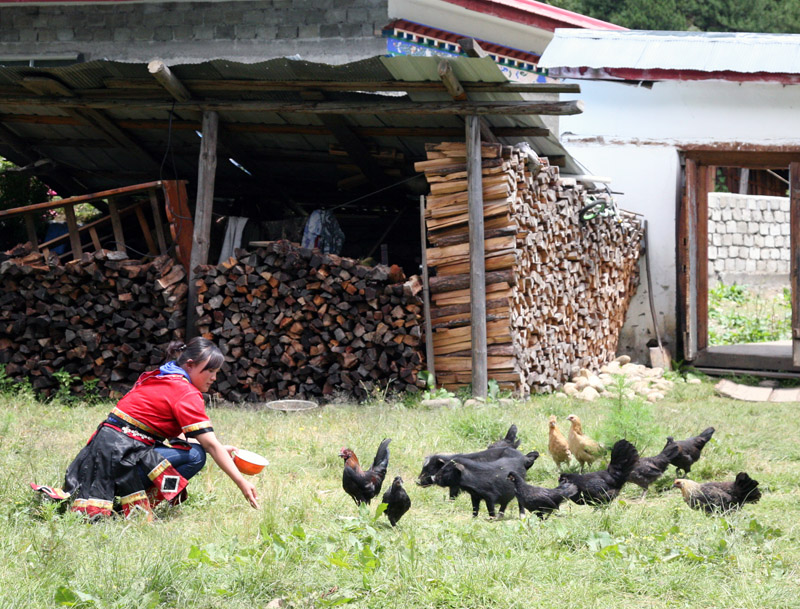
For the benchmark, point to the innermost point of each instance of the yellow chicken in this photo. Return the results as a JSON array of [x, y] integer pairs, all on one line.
[[584, 449], [557, 444]]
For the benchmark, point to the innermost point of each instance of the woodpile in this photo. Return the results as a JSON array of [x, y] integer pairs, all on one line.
[[556, 289], [104, 319], [294, 322]]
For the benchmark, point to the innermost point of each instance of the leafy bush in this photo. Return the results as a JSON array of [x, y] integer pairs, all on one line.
[[738, 315], [17, 190], [630, 418], [478, 427]]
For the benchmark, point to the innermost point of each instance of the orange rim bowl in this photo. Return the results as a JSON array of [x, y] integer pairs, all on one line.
[[249, 462]]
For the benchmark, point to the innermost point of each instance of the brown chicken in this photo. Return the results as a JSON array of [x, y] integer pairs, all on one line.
[[719, 497], [363, 485], [583, 448], [557, 444]]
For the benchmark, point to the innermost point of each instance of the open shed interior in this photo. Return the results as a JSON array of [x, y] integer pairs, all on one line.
[[294, 137]]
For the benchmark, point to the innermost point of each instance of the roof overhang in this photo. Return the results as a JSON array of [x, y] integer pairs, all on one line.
[[678, 56], [107, 124], [520, 24]]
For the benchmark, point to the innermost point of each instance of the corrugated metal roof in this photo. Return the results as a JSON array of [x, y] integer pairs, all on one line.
[[257, 138], [479, 70], [653, 50]]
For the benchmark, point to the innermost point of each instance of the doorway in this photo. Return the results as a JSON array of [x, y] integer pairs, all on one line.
[[737, 261]]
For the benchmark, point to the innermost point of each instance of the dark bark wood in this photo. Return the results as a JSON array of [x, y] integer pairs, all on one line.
[[448, 283], [555, 108]]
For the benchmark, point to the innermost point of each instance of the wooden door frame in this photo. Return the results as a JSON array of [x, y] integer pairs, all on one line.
[[692, 236]]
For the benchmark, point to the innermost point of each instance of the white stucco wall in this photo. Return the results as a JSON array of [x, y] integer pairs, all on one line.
[[634, 135]]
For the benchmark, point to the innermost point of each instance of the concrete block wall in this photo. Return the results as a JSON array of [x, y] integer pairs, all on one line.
[[330, 31], [748, 239]]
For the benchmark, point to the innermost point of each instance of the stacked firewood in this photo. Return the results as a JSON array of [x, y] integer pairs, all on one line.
[[103, 319], [557, 289], [298, 323]]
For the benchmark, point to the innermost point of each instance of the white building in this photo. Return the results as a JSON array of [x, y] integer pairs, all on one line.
[[663, 110]]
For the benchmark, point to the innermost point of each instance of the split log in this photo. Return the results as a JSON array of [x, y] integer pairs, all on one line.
[[558, 290]]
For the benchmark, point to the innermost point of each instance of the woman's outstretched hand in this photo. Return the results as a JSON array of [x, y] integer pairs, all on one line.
[[249, 492]]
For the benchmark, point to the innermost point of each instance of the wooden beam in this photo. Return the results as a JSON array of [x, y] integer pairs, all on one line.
[[550, 108], [206, 175], [50, 88], [425, 132], [794, 253], [250, 86], [168, 80], [74, 236], [471, 47], [451, 82], [456, 91], [356, 150], [477, 265], [430, 360]]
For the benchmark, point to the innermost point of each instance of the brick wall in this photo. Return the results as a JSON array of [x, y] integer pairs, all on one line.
[[748, 238], [334, 31]]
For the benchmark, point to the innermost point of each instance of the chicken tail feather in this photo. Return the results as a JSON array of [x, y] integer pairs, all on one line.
[[623, 459], [381, 462], [745, 489]]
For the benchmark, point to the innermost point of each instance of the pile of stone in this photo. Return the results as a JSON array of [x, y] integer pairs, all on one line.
[[619, 375]]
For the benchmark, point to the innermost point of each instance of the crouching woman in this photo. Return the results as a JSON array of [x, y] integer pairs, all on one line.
[[153, 441]]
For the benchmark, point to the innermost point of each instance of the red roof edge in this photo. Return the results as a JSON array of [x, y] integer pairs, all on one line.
[[653, 74], [538, 14]]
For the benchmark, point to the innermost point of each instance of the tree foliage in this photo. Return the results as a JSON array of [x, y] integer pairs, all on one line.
[[17, 190], [772, 16]]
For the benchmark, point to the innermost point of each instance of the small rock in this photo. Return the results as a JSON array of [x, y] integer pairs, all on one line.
[[276, 603], [560, 394], [633, 369], [570, 389], [582, 383], [693, 381], [473, 402], [655, 396], [442, 403], [505, 402], [623, 359], [589, 394], [596, 383]]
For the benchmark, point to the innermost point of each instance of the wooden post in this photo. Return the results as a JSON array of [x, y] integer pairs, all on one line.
[[74, 236], [116, 225], [477, 265], [794, 257], [206, 173], [31, 228], [426, 296], [162, 242]]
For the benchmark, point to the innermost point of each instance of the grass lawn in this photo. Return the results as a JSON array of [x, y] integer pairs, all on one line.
[[311, 546]]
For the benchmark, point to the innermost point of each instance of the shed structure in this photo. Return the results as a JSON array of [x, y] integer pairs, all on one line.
[[664, 111], [284, 125]]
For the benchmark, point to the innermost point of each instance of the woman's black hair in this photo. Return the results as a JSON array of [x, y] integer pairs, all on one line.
[[199, 350]]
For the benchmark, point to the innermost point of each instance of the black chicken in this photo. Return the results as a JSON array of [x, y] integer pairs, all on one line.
[[718, 497], [362, 485], [530, 459], [397, 501], [689, 450], [539, 500], [510, 440], [650, 469], [601, 487]]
